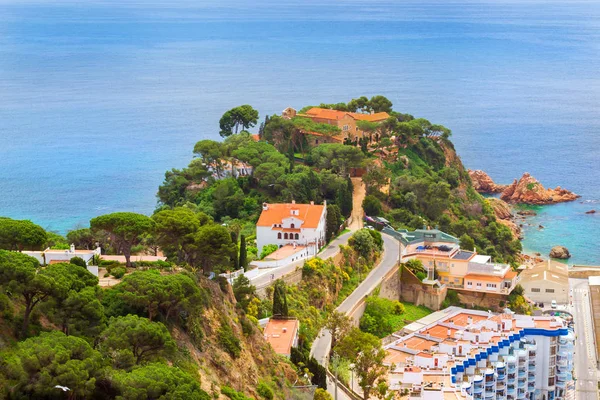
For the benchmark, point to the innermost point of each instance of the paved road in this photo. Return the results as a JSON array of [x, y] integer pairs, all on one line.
[[585, 353], [271, 274], [321, 345]]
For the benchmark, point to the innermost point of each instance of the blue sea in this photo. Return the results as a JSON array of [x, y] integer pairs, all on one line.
[[99, 98]]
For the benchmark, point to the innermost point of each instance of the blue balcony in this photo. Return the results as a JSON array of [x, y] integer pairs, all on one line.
[[521, 384], [478, 389], [521, 374]]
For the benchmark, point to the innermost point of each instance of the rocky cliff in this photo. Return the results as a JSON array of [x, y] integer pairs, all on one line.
[[483, 183], [504, 215], [528, 190]]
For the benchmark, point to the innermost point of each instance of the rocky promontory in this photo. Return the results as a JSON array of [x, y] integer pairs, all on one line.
[[483, 183], [528, 190]]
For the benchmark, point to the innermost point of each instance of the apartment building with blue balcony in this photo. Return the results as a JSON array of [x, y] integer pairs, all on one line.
[[470, 354]]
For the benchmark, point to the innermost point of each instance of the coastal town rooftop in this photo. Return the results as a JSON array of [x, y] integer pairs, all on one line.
[[425, 354]]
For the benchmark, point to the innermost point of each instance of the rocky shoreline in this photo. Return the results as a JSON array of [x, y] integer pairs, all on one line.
[[526, 190]]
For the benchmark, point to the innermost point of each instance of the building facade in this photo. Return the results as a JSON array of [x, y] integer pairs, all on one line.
[[456, 268], [346, 121], [546, 281], [292, 224], [471, 354]]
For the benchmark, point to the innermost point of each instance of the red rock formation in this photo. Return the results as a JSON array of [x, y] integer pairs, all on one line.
[[528, 190], [483, 183]]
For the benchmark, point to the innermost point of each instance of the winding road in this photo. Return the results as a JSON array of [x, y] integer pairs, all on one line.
[[322, 344]]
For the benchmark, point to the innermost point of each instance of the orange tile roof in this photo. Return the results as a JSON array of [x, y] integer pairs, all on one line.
[[281, 341], [488, 278], [255, 137], [276, 213], [510, 274], [325, 113], [462, 319]]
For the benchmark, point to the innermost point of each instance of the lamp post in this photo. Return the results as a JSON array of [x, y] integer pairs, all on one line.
[[352, 375]]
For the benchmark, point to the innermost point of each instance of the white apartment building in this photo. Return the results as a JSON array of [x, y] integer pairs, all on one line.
[[476, 355], [292, 224]]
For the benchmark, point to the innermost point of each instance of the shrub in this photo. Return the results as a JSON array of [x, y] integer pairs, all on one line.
[[78, 261], [265, 391], [268, 249], [118, 272], [372, 206], [228, 341], [233, 394]]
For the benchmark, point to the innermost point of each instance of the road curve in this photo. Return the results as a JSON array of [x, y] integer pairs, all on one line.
[[322, 344]]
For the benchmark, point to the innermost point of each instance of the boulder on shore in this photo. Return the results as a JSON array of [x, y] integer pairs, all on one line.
[[483, 183], [560, 252], [526, 212], [528, 190]]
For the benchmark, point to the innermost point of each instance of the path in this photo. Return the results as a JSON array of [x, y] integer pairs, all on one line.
[[358, 195], [586, 372], [321, 345]]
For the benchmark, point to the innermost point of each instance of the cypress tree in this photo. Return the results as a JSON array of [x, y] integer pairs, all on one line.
[[243, 261], [280, 306]]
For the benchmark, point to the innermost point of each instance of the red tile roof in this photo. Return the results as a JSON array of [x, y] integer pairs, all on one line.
[[276, 213], [325, 113]]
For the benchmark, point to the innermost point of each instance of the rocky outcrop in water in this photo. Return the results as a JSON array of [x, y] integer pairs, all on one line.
[[591, 212], [528, 190], [504, 215], [560, 252], [483, 183]]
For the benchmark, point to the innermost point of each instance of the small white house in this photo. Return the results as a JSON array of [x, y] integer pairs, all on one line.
[[292, 224], [52, 256]]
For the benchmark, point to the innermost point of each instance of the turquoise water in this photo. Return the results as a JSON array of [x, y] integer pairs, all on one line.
[[99, 98]]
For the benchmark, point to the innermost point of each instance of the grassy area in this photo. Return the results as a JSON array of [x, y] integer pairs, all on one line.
[[383, 317]]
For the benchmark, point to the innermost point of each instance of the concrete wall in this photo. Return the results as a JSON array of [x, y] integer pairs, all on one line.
[[414, 291], [482, 299], [293, 278]]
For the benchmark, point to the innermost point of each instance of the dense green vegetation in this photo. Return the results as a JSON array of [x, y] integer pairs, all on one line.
[[128, 341], [166, 331], [383, 317]]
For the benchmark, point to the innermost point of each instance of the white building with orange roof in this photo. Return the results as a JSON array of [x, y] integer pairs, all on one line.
[[301, 226], [473, 354]]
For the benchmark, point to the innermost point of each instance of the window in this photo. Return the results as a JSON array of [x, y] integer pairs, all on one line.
[[478, 284], [345, 127], [490, 285], [292, 226], [279, 235], [535, 290], [551, 381], [285, 236], [469, 283], [549, 290], [297, 236]]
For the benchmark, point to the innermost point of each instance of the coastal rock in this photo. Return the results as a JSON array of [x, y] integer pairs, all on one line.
[[560, 252], [504, 215], [527, 212], [528, 190], [591, 212], [483, 183]]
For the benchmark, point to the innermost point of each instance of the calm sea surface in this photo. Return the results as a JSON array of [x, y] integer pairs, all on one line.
[[99, 98]]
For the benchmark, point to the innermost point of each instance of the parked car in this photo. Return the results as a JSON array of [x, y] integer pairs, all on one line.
[[553, 304]]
